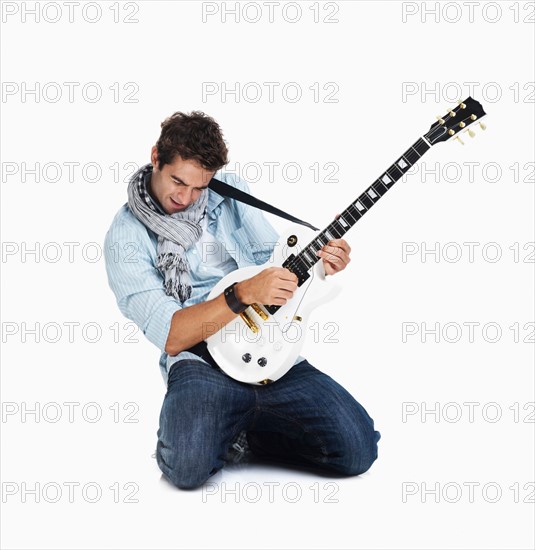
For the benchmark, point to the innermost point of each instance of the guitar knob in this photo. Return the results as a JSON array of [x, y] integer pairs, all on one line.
[[483, 126], [262, 361], [246, 357]]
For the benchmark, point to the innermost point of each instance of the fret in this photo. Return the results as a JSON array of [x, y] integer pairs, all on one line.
[[386, 179], [311, 259], [411, 156], [395, 166], [353, 218], [307, 255], [402, 163], [422, 146], [392, 175], [380, 185], [338, 228], [311, 255], [368, 203], [342, 221], [356, 215], [372, 194]]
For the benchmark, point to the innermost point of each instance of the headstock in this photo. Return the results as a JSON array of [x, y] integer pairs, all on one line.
[[456, 122]]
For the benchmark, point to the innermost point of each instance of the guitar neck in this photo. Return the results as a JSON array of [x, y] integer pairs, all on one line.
[[352, 214]]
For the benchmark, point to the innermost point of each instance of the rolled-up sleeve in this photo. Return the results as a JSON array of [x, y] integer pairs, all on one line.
[[136, 282]]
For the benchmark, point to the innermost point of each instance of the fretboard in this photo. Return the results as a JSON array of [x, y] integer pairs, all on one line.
[[352, 214]]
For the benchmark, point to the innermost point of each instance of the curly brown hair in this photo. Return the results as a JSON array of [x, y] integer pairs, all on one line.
[[195, 136]]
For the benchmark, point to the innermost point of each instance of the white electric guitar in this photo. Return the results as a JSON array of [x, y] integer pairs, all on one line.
[[262, 343]]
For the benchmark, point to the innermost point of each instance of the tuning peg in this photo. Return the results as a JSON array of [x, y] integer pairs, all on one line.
[[460, 140], [461, 104], [483, 126], [471, 133], [452, 113], [440, 120]]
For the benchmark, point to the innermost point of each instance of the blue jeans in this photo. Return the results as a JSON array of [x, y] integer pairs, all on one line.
[[305, 418]]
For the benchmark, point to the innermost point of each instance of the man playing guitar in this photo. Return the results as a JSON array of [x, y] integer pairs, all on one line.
[[165, 250]]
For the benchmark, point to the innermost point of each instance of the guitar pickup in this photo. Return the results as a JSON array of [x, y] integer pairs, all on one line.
[[299, 270]]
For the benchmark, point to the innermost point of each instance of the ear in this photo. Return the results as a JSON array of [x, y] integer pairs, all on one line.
[[154, 156]]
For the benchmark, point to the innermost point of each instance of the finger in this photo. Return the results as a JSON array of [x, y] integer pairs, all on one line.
[[340, 243], [330, 251], [338, 259], [283, 296], [287, 286], [287, 275]]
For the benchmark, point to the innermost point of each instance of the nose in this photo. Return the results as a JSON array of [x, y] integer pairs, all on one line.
[[186, 196]]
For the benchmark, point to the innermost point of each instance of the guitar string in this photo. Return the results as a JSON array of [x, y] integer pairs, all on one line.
[[331, 227]]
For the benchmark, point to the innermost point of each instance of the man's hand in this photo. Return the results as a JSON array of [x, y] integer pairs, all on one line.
[[335, 256], [272, 286]]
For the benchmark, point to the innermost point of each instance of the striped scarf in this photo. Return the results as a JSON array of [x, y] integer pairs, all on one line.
[[176, 232]]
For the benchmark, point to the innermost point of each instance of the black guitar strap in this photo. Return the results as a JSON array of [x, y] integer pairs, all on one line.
[[225, 190]]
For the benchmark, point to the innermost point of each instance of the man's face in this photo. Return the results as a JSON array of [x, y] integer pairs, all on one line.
[[179, 184]]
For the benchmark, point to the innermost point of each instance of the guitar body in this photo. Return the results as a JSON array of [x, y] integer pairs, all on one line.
[[266, 354]]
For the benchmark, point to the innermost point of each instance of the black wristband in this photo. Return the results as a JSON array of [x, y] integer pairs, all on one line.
[[232, 301]]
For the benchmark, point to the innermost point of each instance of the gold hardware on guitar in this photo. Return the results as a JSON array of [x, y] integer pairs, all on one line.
[[260, 311], [249, 322]]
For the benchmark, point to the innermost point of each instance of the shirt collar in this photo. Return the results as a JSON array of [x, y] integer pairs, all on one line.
[[214, 199]]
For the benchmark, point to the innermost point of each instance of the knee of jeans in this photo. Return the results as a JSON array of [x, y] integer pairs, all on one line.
[[186, 471], [360, 453]]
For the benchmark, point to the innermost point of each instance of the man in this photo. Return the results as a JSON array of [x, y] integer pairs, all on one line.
[[154, 258]]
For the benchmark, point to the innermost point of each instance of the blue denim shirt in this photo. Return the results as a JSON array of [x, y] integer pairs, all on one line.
[[130, 256]]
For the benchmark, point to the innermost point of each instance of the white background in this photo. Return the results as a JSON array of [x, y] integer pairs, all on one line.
[[369, 54]]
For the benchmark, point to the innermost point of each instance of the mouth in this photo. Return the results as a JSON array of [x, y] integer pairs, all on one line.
[[176, 204]]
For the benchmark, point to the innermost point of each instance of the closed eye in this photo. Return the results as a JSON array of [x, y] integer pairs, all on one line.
[[183, 184]]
